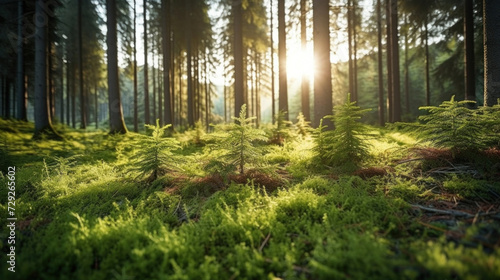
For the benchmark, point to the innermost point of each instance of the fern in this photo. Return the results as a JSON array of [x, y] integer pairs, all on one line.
[[156, 156], [238, 142], [345, 147], [452, 125]]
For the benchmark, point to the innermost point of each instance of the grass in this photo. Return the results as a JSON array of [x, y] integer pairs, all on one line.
[[82, 215]]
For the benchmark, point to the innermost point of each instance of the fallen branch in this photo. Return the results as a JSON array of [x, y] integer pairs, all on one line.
[[447, 212], [264, 243]]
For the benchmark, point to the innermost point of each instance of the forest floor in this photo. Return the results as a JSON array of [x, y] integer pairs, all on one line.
[[83, 212]]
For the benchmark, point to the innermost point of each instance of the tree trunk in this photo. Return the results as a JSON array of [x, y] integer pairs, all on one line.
[[273, 91], [491, 25], [380, 68], [389, 62], [305, 78], [21, 99], [470, 77], [167, 65], [283, 83], [427, 66], [238, 56], [147, 113], [349, 47], [116, 122], [396, 92], [83, 117], [136, 109], [43, 123], [322, 81], [190, 90], [407, 70]]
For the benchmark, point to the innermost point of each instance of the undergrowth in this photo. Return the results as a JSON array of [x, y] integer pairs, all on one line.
[[82, 215]]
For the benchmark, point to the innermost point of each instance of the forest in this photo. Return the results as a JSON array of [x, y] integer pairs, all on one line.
[[250, 139]]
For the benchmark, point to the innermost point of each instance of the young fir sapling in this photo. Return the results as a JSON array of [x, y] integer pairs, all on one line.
[[156, 156], [453, 125], [345, 147], [238, 142], [303, 126]]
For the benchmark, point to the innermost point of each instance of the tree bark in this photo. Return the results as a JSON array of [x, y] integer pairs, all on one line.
[[396, 91], [147, 112], [470, 77], [322, 80], [283, 83], [136, 109], [83, 117], [169, 118], [305, 79], [116, 122], [381, 108], [22, 102], [491, 25], [238, 56], [43, 124]]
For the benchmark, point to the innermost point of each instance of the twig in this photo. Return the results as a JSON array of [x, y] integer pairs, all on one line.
[[264, 243], [408, 160], [447, 212], [431, 226]]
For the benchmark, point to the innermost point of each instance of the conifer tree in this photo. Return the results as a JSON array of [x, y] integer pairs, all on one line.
[[239, 141], [452, 125], [156, 156], [345, 147]]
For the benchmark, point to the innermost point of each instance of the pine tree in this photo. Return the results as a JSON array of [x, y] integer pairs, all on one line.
[[303, 126], [452, 125], [345, 147], [156, 156], [239, 142]]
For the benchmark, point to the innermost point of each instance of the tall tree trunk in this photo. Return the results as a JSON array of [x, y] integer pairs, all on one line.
[[381, 119], [61, 82], [389, 62], [407, 69], [305, 77], [354, 96], [396, 91], [323, 80], [167, 65], [349, 46], [21, 99], [43, 123], [147, 113], [116, 122], [83, 117], [427, 66], [136, 109], [190, 90], [160, 91], [153, 69], [283, 83], [96, 105], [68, 89], [273, 91], [491, 25], [238, 56], [470, 77]]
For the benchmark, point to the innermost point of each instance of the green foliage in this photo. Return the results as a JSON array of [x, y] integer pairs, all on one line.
[[491, 123], [321, 136], [155, 157], [239, 142], [281, 132], [346, 146], [453, 125], [303, 126]]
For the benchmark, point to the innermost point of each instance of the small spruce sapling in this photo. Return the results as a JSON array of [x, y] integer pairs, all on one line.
[[320, 135], [156, 156], [239, 140], [303, 126], [453, 125], [345, 147]]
